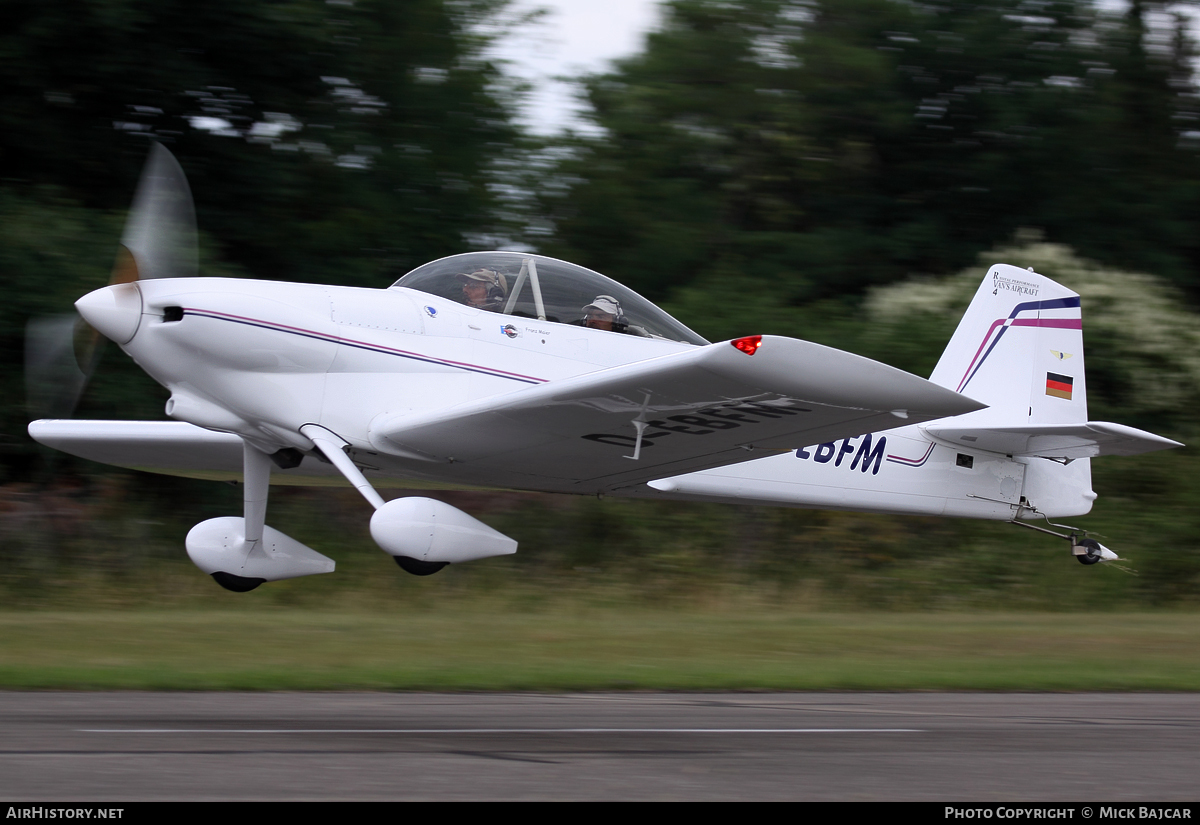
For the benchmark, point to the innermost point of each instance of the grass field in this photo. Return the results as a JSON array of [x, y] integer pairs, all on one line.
[[474, 647]]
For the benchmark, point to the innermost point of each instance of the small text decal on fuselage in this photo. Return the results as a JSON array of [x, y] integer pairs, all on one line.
[[864, 455]]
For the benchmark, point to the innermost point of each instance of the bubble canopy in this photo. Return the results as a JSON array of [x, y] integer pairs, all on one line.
[[534, 286]]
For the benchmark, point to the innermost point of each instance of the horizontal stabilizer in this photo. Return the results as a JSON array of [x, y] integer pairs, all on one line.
[[1065, 441]]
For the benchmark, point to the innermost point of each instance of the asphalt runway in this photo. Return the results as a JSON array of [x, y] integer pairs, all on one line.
[[735, 746]]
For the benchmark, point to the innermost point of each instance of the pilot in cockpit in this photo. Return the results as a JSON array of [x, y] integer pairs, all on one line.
[[484, 289], [605, 313]]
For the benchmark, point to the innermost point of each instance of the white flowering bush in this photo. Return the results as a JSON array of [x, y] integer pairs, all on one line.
[[1142, 340]]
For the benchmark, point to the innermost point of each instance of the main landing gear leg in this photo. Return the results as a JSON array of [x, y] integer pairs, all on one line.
[[333, 447], [255, 492], [256, 475], [242, 553], [422, 534]]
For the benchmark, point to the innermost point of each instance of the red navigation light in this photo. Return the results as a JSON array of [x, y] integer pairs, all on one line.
[[749, 344]]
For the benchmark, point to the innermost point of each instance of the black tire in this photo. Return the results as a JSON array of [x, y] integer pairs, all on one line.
[[418, 567], [238, 584], [1092, 554]]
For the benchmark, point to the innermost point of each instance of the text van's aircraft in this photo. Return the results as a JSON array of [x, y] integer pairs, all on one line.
[[512, 370]]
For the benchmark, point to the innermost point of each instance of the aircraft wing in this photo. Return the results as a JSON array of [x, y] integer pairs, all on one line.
[[695, 409], [1063, 441], [151, 445], [169, 447]]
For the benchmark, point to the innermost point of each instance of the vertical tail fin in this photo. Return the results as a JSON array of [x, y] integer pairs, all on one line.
[[1019, 349]]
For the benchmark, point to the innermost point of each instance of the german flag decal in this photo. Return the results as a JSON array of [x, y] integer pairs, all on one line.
[[1059, 385]]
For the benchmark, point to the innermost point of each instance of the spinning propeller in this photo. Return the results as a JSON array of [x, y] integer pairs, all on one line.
[[159, 241]]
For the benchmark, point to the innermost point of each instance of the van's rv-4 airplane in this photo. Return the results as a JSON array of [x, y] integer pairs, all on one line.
[[512, 370]]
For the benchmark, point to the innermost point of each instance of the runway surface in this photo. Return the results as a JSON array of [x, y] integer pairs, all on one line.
[[804, 746]]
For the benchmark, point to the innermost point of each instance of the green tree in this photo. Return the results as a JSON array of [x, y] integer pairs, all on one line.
[[332, 142], [340, 142], [778, 152]]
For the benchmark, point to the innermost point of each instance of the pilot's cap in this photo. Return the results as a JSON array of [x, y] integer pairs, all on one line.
[[487, 276], [605, 303]]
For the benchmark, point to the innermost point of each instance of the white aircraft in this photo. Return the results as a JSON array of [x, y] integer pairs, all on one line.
[[513, 370]]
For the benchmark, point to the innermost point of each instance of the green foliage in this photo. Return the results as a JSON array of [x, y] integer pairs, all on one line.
[[800, 150], [324, 142], [1142, 343], [337, 143]]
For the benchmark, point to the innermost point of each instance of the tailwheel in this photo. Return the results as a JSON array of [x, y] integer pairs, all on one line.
[[1092, 552], [1088, 551]]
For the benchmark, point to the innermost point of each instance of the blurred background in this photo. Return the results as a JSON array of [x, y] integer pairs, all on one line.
[[835, 170]]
